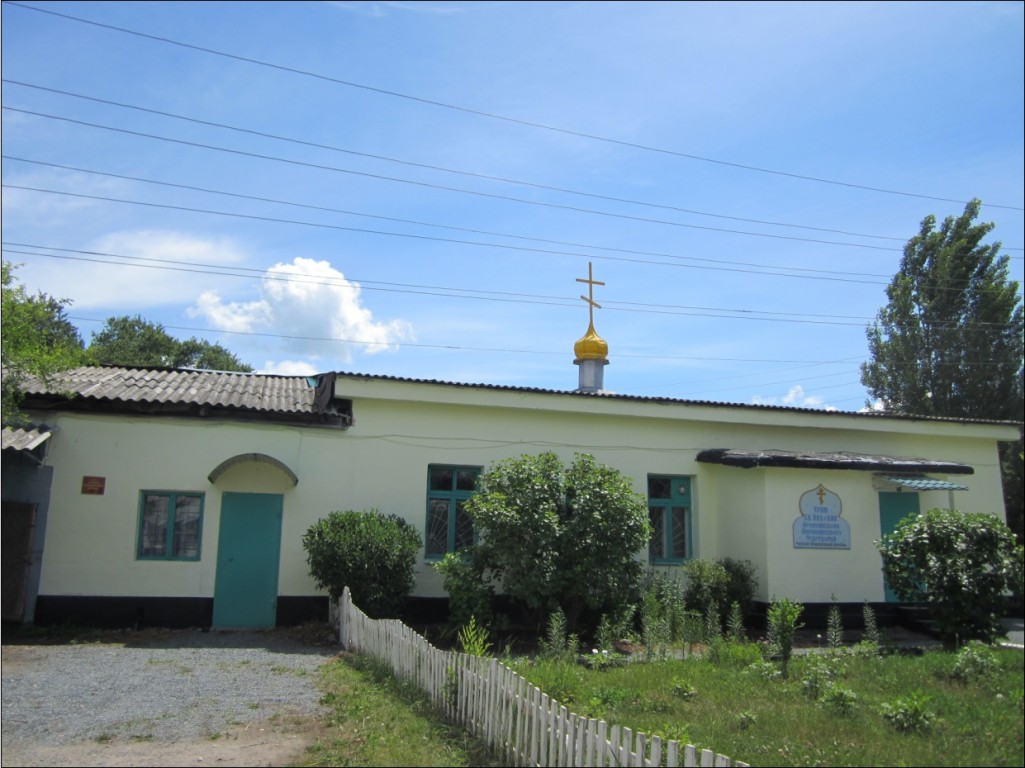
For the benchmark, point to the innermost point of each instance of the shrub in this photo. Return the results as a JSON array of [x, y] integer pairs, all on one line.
[[566, 536], [370, 553], [974, 663], [741, 584], [840, 700], [470, 595], [707, 581], [961, 565]]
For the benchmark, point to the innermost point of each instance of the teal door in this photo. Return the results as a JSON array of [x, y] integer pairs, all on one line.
[[248, 552], [893, 508]]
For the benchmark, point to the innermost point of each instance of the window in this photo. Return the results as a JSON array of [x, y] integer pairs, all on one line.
[[669, 505], [170, 524], [449, 527]]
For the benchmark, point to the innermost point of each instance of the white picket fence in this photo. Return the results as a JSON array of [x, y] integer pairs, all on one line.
[[516, 720]]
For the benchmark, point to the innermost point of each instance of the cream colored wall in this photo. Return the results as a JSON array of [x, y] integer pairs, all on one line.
[[381, 462]]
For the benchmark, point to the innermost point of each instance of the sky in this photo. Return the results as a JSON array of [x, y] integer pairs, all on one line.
[[414, 189]]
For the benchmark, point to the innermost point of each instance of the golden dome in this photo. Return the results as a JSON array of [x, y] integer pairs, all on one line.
[[591, 346]]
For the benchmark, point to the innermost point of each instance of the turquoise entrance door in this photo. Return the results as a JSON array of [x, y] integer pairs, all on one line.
[[248, 552], [893, 508]]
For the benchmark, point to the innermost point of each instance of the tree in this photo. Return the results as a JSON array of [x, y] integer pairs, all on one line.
[[38, 340], [961, 565], [370, 553], [559, 537], [950, 341], [134, 341]]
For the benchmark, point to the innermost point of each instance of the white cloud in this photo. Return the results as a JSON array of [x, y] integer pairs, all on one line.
[[139, 281], [288, 368], [306, 301], [794, 398]]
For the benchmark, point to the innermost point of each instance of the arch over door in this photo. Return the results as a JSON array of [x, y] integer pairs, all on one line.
[[248, 554]]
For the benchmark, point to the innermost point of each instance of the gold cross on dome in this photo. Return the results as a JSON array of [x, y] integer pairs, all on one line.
[[822, 494], [589, 298]]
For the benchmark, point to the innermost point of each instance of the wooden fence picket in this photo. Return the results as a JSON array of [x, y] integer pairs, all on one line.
[[514, 718]]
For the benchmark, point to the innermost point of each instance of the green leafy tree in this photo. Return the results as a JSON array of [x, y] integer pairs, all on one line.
[[38, 340], [961, 565], [134, 341], [559, 536], [370, 553], [950, 341]]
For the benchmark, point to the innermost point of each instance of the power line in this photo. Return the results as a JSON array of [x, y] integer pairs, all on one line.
[[455, 347], [466, 293], [429, 185], [503, 246], [491, 115], [471, 174], [830, 276], [398, 220], [520, 298]]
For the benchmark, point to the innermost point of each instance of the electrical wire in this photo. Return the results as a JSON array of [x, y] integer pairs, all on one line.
[[489, 115]]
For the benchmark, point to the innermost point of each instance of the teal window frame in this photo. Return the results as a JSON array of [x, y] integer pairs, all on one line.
[[170, 540], [453, 496], [670, 510]]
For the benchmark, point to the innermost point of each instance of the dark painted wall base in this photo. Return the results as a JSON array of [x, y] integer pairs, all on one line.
[[169, 612]]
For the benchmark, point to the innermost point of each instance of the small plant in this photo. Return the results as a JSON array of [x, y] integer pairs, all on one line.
[[681, 689], [473, 639], [834, 627], [974, 663], [820, 673], [871, 634], [735, 624], [783, 625], [840, 700], [558, 643], [745, 720], [765, 670], [909, 714]]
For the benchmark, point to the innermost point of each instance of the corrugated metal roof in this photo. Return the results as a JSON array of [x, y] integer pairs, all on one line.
[[219, 389], [24, 438], [923, 483], [608, 395]]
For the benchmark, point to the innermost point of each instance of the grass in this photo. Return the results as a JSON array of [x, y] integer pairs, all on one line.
[[378, 720], [851, 710]]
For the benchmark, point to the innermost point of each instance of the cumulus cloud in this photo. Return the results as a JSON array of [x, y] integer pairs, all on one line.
[[307, 301]]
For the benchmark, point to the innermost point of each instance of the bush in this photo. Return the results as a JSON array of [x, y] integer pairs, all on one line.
[[370, 553], [961, 565], [470, 595], [560, 536]]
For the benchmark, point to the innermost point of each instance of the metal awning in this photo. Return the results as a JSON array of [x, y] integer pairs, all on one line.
[[922, 483]]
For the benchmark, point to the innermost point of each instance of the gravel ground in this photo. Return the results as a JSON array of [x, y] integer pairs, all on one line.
[[158, 687]]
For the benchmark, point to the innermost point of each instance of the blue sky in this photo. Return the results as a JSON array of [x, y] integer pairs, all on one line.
[[413, 188]]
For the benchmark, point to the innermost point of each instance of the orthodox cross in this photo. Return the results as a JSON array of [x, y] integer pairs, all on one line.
[[589, 298], [821, 494]]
